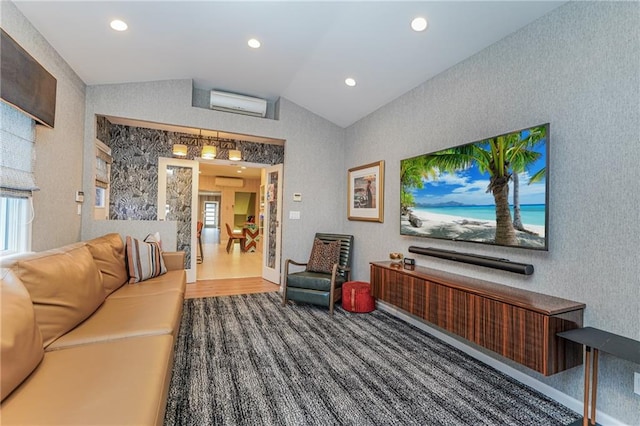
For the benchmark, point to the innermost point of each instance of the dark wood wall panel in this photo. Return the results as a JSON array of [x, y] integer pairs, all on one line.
[[517, 324], [25, 84]]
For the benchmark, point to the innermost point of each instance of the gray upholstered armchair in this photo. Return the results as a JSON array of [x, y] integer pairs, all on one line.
[[328, 268]]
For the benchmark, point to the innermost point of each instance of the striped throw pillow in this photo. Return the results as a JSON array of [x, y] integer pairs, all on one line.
[[144, 260]]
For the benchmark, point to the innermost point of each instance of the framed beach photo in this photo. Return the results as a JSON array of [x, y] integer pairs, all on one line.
[[366, 192]]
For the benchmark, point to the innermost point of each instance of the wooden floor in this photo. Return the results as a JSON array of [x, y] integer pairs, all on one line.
[[228, 287], [217, 263], [225, 274]]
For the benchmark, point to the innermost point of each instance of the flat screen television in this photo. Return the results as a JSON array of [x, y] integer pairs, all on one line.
[[493, 191]]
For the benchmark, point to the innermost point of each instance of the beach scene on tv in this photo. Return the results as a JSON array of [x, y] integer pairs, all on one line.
[[491, 191]]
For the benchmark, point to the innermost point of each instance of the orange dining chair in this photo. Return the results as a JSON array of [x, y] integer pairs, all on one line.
[[233, 237], [199, 227]]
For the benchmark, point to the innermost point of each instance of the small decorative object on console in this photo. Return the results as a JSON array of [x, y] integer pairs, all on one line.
[[396, 257], [409, 263]]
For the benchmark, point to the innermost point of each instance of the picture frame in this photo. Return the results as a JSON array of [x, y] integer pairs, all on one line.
[[366, 192]]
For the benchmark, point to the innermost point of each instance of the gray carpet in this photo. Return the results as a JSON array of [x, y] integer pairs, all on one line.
[[245, 360]]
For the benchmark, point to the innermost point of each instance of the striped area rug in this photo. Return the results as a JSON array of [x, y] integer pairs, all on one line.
[[246, 360]]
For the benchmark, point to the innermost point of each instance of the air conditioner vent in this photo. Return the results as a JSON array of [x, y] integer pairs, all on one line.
[[231, 102], [228, 181]]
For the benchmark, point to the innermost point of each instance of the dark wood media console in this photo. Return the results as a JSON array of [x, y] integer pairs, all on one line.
[[518, 324]]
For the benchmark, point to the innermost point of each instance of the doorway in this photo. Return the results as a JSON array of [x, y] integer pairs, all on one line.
[[230, 194], [251, 148], [211, 215]]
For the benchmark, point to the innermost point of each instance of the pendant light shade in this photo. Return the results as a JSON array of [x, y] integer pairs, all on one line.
[[209, 152], [180, 150], [235, 155]]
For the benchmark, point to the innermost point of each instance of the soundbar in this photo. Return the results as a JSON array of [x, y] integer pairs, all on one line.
[[474, 259]]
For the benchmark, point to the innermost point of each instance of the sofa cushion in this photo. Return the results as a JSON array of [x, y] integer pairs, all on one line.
[[126, 317], [108, 253], [173, 260], [123, 382], [144, 260], [323, 256], [172, 281], [20, 336], [65, 287]]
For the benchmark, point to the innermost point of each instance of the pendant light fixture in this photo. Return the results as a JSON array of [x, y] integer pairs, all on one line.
[[209, 152], [235, 155], [179, 150]]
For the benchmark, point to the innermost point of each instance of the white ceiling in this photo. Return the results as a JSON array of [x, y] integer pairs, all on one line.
[[308, 47]]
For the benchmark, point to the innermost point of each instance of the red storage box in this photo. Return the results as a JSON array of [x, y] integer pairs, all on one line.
[[356, 297]]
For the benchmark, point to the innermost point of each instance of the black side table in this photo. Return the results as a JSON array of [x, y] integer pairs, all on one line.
[[599, 340]]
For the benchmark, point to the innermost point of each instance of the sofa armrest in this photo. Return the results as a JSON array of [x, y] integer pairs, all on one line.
[[173, 260]]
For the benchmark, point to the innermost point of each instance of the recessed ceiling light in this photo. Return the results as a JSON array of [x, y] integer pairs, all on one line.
[[419, 24], [119, 25], [253, 43], [350, 82]]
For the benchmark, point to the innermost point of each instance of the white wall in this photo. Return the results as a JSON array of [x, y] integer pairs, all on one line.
[[578, 69], [58, 166]]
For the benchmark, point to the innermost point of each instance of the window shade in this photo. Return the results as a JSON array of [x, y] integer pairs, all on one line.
[[103, 160], [17, 153]]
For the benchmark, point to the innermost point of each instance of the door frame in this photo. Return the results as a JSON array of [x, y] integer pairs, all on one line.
[[163, 162], [273, 274]]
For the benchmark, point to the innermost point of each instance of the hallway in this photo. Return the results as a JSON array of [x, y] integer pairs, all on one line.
[[218, 264]]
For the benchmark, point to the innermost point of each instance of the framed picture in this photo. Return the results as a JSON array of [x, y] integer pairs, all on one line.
[[366, 193]]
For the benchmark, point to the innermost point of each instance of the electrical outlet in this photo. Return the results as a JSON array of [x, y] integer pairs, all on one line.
[[636, 383]]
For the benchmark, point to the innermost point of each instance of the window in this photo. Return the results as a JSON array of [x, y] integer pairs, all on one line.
[[17, 181], [15, 225], [211, 214], [100, 197]]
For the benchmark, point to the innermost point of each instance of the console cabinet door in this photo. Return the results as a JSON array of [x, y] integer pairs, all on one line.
[[488, 315]]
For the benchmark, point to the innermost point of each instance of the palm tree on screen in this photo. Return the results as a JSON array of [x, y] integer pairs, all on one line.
[[522, 157], [412, 173], [495, 156]]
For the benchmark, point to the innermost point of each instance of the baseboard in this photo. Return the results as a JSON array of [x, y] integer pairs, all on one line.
[[564, 399]]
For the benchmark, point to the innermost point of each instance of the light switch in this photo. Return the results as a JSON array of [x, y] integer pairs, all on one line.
[[297, 196], [294, 215]]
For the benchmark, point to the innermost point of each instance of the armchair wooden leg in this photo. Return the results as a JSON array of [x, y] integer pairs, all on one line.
[[284, 291], [332, 290]]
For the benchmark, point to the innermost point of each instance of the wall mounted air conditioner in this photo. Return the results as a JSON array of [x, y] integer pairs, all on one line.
[[227, 181], [231, 102]]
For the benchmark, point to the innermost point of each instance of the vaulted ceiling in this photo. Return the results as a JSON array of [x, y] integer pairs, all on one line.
[[308, 48]]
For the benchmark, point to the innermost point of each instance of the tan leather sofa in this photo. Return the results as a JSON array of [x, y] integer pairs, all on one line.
[[81, 346]]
